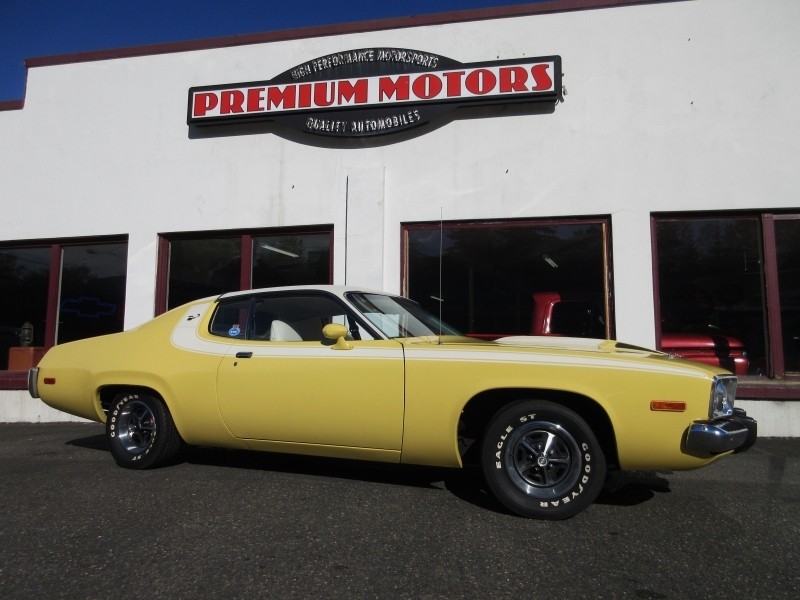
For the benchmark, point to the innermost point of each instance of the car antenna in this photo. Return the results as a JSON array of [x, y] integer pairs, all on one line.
[[346, 216], [441, 250]]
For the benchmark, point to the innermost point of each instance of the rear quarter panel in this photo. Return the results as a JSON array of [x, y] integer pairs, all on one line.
[[152, 356]]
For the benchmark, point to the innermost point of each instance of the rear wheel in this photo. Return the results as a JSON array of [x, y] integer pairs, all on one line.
[[141, 432], [542, 460]]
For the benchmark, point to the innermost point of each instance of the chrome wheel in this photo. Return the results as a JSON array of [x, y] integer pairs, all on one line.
[[543, 459], [141, 432], [136, 427]]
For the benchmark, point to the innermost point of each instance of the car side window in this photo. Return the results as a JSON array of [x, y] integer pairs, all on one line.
[[300, 318], [230, 319]]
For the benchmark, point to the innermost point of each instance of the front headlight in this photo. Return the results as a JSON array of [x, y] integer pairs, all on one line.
[[723, 394]]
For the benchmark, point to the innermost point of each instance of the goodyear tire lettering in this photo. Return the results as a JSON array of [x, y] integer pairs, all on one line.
[[141, 432], [541, 459]]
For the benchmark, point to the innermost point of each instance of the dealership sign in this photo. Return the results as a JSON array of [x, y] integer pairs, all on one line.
[[375, 91]]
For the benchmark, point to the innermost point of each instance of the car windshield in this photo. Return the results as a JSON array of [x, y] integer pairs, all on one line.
[[398, 317]]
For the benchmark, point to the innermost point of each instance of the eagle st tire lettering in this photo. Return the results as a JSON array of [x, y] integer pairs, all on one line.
[[542, 460]]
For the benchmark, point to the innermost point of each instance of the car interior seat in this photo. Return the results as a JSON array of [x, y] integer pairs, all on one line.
[[283, 332]]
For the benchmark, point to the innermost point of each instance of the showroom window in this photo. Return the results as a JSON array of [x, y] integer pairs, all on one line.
[[59, 292], [487, 277], [206, 264], [735, 276]]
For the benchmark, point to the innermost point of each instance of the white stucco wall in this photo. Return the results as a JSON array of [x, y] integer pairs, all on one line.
[[669, 107], [17, 406]]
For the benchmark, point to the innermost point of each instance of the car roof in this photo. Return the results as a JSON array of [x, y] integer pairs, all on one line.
[[337, 290]]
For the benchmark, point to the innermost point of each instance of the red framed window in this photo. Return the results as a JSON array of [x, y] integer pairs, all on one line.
[[486, 277], [204, 264], [56, 291], [734, 275]]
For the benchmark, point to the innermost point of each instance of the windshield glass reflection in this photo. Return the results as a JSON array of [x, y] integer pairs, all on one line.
[[399, 317]]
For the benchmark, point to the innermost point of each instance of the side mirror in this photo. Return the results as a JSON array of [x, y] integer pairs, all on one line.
[[338, 332]]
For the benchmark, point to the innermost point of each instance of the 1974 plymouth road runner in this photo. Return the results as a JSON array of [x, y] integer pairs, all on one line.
[[344, 372]]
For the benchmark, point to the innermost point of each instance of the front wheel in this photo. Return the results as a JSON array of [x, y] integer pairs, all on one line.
[[542, 460], [141, 432]]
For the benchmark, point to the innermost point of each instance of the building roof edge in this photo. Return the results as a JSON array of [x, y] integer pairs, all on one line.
[[442, 18]]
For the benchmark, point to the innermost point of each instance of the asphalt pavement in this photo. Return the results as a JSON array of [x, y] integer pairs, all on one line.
[[225, 524]]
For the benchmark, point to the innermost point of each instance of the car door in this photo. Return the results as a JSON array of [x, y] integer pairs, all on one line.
[[286, 383]]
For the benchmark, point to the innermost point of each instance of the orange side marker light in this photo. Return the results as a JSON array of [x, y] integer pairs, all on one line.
[[667, 406]]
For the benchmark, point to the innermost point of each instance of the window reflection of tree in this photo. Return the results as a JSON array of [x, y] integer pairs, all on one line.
[[203, 267], [711, 279], [787, 240]]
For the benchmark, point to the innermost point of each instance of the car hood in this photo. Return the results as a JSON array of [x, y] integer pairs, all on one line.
[[572, 343], [556, 351], [547, 343]]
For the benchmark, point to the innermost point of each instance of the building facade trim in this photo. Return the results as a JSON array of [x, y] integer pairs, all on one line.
[[478, 14]]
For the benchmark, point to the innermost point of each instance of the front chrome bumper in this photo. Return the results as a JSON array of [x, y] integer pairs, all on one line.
[[737, 432]]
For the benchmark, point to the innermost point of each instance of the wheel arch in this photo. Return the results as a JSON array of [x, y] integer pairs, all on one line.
[[478, 412], [196, 422], [107, 393]]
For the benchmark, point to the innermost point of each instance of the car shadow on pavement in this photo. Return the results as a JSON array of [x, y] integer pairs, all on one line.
[[93, 442], [627, 488], [466, 484]]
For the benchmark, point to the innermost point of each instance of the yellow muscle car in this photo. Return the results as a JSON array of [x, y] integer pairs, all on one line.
[[345, 372]]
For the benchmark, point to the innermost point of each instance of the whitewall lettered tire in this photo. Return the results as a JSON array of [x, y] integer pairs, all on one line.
[[140, 431], [542, 460]]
